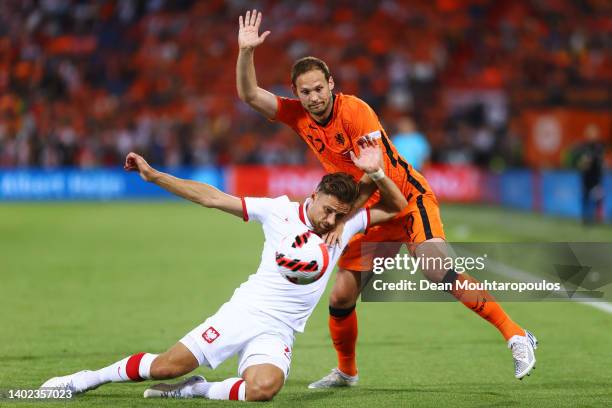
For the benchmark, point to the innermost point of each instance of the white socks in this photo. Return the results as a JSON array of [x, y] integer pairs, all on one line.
[[138, 368], [231, 389], [133, 368]]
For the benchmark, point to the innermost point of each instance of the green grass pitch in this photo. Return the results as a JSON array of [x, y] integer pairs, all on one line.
[[83, 285]]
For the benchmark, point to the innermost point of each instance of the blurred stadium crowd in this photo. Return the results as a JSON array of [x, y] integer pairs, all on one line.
[[84, 82]]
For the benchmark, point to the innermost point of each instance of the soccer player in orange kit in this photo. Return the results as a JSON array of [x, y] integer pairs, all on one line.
[[332, 124]]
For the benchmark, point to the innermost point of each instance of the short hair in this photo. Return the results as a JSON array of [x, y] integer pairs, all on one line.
[[307, 64], [340, 185]]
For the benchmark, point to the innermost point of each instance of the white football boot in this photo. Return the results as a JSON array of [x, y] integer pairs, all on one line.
[[335, 379], [523, 353], [181, 389], [77, 382]]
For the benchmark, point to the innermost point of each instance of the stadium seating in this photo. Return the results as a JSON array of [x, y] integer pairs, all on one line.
[[82, 83]]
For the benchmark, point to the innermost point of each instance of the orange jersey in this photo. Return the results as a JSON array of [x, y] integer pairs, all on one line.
[[351, 119]]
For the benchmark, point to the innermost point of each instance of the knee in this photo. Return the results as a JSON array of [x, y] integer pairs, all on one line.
[[345, 292], [262, 389], [343, 296], [342, 300], [435, 252]]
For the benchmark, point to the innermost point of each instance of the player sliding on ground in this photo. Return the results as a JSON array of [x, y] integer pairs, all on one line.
[[331, 124], [260, 320]]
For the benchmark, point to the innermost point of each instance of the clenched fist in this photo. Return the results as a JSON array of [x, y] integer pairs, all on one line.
[[135, 162]]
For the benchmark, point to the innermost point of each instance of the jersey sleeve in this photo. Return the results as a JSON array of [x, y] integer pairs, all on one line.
[[260, 208], [360, 120], [288, 111], [357, 223]]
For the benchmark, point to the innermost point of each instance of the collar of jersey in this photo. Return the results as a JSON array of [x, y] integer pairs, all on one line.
[[303, 215], [331, 115]]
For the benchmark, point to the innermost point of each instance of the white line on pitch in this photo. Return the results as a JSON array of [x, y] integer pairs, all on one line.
[[515, 273]]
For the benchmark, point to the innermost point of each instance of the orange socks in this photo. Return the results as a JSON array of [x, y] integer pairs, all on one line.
[[343, 330], [343, 322], [483, 303]]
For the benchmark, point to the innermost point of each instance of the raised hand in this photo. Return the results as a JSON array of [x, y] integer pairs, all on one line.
[[370, 156], [135, 162], [248, 34], [334, 236]]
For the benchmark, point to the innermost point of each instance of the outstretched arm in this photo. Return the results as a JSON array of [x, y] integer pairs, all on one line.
[[199, 193], [248, 39], [392, 200]]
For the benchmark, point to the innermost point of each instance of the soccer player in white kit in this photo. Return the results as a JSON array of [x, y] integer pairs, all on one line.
[[260, 320]]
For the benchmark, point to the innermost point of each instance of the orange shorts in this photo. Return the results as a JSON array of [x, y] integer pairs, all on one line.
[[417, 223]]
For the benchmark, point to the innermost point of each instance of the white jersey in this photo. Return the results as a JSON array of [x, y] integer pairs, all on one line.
[[267, 290]]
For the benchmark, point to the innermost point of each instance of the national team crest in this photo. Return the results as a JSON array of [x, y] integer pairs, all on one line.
[[210, 335]]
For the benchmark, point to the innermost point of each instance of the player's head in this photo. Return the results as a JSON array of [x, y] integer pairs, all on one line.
[[332, 201], [312, 83]]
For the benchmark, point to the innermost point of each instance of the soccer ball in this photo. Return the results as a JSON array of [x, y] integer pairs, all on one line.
[[302, 257]]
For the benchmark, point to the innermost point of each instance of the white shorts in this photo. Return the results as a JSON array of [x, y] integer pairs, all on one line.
[[236, 329]]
